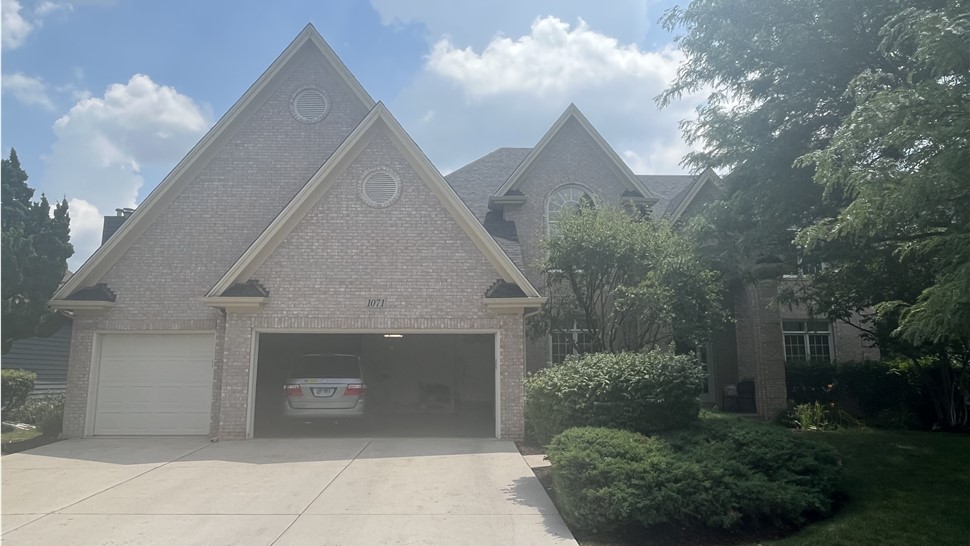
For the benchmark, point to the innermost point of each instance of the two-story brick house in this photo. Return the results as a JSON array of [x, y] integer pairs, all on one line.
[[307, 220]]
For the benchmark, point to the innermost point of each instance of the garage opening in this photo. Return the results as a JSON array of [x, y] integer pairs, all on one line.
[[375, 385]]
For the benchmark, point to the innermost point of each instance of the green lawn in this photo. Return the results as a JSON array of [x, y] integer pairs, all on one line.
[[906, 488], [19, 435]]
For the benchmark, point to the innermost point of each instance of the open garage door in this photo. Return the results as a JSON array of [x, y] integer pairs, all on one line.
[[411, 384], [154, 384]]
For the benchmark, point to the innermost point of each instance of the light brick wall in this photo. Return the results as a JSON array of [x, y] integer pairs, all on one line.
[[344, 252]]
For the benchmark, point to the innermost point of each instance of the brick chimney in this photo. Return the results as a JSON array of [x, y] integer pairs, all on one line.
[[112, 223]]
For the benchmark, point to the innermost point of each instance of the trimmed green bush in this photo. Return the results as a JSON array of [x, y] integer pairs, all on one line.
[[643, 392], [46, 412], [722, 473], [15, 387]]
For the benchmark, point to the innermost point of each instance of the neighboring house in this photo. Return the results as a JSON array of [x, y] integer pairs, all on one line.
[[45, 356], [308, 221]]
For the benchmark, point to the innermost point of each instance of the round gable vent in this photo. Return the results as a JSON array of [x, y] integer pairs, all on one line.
[[310, 105], [380, 188]]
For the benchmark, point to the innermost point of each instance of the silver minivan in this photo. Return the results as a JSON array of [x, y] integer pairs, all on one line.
[[325, 386]]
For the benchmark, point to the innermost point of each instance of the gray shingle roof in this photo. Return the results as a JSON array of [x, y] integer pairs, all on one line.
[[478, 180], [670, 190]]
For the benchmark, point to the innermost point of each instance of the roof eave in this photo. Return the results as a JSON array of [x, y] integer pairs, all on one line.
[[236, 303], [96, 306]]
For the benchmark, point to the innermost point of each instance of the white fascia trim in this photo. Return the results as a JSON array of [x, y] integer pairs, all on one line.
[[573, 112], [108, 254], [514, 303], [325, 177], [81, 305], [699, 184], [235, 303]]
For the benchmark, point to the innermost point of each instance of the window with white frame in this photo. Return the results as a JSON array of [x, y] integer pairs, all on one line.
[[569, 341], [807, 340], [564, 199]]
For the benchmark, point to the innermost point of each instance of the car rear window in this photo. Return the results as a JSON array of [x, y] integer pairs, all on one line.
[[327, 366]]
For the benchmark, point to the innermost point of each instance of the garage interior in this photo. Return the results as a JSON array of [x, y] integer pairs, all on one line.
[[417, 384]]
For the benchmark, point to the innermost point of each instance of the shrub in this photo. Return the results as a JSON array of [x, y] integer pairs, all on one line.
[[882, 393], [15, 388], [720, 473], [46, 412], [643, 392], [818, 416], [807, 382]]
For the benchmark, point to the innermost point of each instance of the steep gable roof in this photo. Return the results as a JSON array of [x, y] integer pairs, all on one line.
[[684, 198], [321, 182], [165, 193], [572, 113]]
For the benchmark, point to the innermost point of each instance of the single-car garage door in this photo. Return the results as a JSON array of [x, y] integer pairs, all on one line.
[[154, 384]]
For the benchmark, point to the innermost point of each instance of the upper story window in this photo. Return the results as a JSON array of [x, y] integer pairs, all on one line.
[[564, 199], [807, 340]]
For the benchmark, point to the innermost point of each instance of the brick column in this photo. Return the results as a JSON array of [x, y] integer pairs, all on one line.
[[761, 355], [234, 380], [512, 354]]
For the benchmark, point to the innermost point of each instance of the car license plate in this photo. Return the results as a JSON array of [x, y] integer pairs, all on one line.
[[324, 391]]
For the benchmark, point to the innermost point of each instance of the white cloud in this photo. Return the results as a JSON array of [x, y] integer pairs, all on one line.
[[27, 89], [14, 27], [103, 143], [553, 59], [477, 23], [86, 224], [46, 8], [510, 90]]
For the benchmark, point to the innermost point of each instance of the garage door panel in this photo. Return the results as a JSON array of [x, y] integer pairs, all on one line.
[[119, 424], [154, 384]]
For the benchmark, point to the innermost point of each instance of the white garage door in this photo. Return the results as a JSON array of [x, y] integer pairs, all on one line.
[[154, 384]]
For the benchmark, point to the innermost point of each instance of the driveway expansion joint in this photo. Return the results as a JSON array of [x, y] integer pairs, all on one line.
[[307, 507]]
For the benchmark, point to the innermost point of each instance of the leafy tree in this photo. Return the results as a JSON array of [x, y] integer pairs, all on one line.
[[902, 161], [36, 246], [627, 283], [844, 123]]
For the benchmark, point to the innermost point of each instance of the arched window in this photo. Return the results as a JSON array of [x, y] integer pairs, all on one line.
[[565, 198]]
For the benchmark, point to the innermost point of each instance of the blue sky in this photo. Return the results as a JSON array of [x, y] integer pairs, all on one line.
[[101, 98]]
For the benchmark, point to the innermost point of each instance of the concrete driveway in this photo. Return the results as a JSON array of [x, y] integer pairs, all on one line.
[[343, 491]]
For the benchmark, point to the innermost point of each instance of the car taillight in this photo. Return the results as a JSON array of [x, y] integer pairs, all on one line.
[[293, 390], [355, 390]]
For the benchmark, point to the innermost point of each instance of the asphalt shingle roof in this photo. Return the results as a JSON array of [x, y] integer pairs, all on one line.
[[476, 182], [669, 190], [480, 179]]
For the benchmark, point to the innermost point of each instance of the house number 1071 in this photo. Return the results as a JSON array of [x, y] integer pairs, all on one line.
[[375, 303]]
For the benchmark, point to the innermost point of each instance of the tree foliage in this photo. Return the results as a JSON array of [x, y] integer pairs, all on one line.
[[36, 246], [627, 283], [846, 127]]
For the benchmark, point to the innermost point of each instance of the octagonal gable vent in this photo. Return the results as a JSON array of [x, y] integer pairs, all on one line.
[[310, 105], [380, 188]]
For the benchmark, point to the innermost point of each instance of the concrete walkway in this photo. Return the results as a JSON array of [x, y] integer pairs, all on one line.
[[344, 491]]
